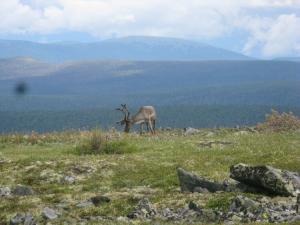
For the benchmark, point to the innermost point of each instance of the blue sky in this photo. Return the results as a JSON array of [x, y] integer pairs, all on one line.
[[261, 28]]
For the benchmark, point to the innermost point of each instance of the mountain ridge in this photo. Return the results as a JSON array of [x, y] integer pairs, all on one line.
[[126, 48]]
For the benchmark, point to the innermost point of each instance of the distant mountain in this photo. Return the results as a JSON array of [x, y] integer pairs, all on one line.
[[128, 48]]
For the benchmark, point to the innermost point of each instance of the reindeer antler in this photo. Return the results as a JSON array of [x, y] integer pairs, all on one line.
[[126, 113]]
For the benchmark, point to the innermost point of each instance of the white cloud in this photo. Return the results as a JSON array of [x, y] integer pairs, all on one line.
[[275, 37], [192, 19]]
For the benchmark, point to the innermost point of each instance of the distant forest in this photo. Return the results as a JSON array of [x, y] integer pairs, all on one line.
[[206, 116]]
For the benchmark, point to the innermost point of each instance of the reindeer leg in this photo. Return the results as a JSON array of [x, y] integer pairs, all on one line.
[[151, 128], [147, 126], [142, 128], [154, 126]]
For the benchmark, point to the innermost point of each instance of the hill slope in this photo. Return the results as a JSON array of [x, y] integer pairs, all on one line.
[[129, 48]]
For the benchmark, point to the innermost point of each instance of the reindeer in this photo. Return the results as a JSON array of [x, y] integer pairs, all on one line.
[[146, 115]]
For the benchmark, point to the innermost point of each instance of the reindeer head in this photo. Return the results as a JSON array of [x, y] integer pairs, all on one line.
[[126, 120]]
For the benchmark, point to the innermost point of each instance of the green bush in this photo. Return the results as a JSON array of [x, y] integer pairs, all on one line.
[[220, 202]]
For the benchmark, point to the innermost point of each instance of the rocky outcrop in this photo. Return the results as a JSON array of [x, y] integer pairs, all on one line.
[[245, 210], [144, 210], [269, 179], [192, 183]]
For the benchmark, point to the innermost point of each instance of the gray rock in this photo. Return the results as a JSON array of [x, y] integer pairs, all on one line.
[[236, 219], [98, 200], [29, 220], [191, 183], [85, 204], [4, 191], [122, 219], [242, 203], [190, 131], [271, 180], [295, 218], [21, 219], [168, 214], [49, 213], [144, 210], [69, 179], [17, 219], [194, 206], [23, 190]]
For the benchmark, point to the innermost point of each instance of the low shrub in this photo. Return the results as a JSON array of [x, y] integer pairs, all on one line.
[[98, 143], [279, 122]]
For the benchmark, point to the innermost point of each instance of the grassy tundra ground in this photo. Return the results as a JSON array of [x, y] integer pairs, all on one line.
[[130, 167]]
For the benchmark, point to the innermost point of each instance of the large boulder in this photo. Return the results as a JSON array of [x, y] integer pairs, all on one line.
[[269, 179], [192, 183]]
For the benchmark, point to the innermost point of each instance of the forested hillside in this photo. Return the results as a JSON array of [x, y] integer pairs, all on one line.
[[83, 94]]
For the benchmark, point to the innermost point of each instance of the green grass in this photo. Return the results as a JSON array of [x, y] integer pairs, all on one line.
[[129, 167]]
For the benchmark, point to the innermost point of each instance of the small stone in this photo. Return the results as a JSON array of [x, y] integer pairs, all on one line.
[[49, 213], [23, 190], [29, 220], [194, 206], [210, 134], [17, 219], [4, 191], [209, 216], [242, 203], [24, 220], [98, 200], [122, 219], [69, 179], [236, 218], [190, 131], [85, 204], [144, 210]]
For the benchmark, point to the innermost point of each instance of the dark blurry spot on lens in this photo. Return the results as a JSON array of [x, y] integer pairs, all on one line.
[[21, 88]]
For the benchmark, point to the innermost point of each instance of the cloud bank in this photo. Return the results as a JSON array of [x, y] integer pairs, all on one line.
[[272, 26]]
